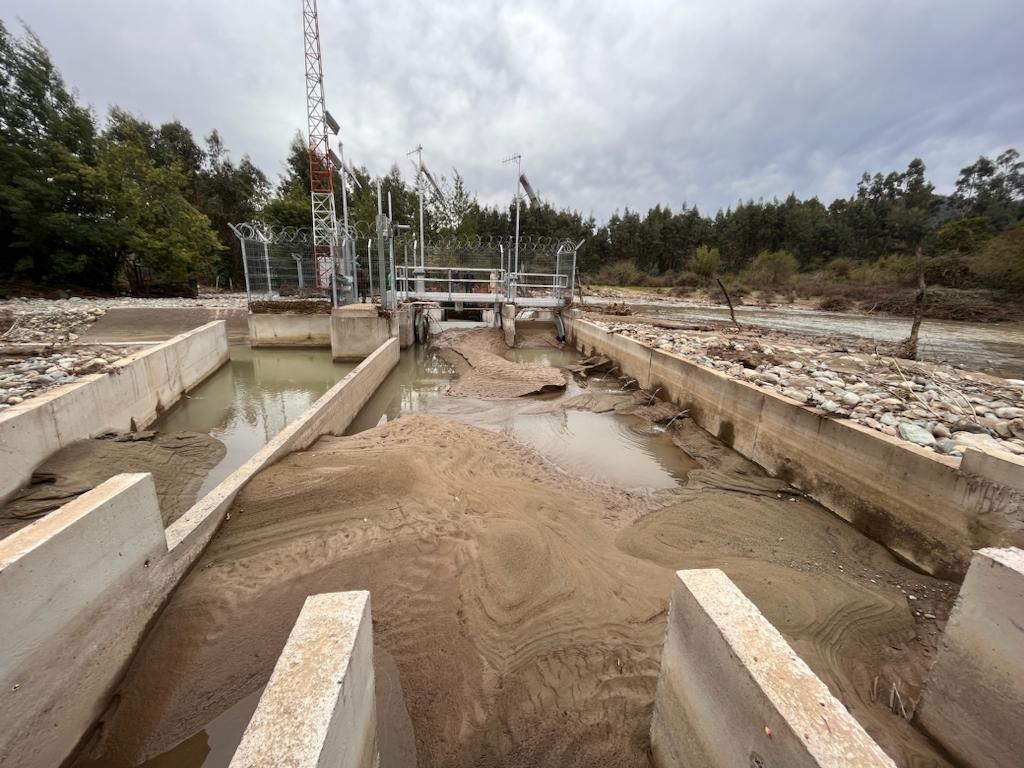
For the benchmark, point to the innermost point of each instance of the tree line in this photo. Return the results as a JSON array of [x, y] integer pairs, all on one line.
[[94, 202]]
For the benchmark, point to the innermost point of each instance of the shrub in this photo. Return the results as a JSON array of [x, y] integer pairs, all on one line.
[[705, 263], [774, 267], [619, 273], [1001, 262], [841, 268]]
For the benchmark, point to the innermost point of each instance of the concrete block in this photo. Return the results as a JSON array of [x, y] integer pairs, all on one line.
[[270, 330], [357, 330], [973, 699], [75, 600], [136, 391], [508, 323], [406, 330], [319, 708], [1005, 470], [731, 691]]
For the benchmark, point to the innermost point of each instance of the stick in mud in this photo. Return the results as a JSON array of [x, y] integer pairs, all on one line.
[[732, 312]]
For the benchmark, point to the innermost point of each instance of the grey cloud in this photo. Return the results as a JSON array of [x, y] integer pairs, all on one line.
[[610, 104]]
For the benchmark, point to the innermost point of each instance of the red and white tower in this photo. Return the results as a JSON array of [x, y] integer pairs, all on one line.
[[321, 178]]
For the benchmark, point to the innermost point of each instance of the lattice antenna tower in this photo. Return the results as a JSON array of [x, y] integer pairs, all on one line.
[[320, 125]]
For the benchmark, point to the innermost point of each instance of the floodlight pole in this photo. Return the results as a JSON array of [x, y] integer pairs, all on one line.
[[518, 158], [419, 191]]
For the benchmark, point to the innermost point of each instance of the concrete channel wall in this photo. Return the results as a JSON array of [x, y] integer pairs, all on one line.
[[73, 605], [272, 330], [973, 699], [320, 707], [135, 391], [731, 692], [82, 604], [919, 504]]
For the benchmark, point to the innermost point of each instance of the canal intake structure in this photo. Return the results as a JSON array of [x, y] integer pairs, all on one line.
[[475, 532]]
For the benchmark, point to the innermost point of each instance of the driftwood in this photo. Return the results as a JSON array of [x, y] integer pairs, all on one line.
[[732, 312]]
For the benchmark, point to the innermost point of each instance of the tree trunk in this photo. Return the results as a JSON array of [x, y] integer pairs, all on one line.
[[911, 343], [732, 312]]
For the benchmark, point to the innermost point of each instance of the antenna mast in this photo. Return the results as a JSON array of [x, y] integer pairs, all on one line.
[[321, 181]]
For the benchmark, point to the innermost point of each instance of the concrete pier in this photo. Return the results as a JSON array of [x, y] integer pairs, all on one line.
[[973, 699], [731, 691], [357, 330], [319, 708]]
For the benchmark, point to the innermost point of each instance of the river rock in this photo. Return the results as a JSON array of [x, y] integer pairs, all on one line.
[[947, 446], [915, 434], [889, 420], [985, 443], [1017, 428], [1010, 413], [850, 399], [941, 431], [963, 425], [829, 405]]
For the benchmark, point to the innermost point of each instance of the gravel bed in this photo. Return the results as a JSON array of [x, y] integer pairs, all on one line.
[[936, 406]]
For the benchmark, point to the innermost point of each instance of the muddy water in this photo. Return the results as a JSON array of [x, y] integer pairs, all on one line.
[[612, 448], [994, 347], [250, 399]]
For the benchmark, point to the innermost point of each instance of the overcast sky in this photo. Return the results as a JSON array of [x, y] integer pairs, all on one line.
[[612, 104]]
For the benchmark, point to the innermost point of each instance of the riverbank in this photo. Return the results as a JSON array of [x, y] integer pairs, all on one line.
[[933, 405], [45, 343]]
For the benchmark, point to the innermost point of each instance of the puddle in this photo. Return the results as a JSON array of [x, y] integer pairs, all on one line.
[[214, 746], [553, 357], [251, 398], [612, 448]]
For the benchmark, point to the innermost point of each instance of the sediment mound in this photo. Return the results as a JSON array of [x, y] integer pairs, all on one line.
[[179, 463], [524, 608], [483, 373]]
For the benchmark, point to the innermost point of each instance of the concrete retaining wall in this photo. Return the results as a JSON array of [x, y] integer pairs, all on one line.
[[358, 329], [319, 708], [137, 389], [731, 692], [916, 502], [66, 682], [269, 330], [973, 699], [73, 605]]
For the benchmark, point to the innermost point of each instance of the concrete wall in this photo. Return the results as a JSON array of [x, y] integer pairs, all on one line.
[[269, 330], [916, 502], [66, 681], [732, 693], [319, 708], [73, 605], [973, 699], [358, 329], [136, 391], [508, 323]]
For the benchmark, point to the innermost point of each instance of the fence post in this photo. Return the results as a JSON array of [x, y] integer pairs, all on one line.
[[245, 269], [266, 262]]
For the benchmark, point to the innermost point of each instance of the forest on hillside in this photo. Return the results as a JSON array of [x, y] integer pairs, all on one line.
[[116, 201]]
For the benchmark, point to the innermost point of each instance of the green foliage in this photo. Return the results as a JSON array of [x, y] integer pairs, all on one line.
[[1001, 262], [619, 273], [774, 268], [705, 263]]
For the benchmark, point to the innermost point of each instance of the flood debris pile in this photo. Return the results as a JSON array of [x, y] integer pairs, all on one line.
[[935, 406]]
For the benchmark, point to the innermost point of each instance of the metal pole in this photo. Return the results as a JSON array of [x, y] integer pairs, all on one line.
[[405, 278], [381, 234], [419, 186], [245, 268], [369, 264], [393, 295], [266, 263], [519, 172]]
